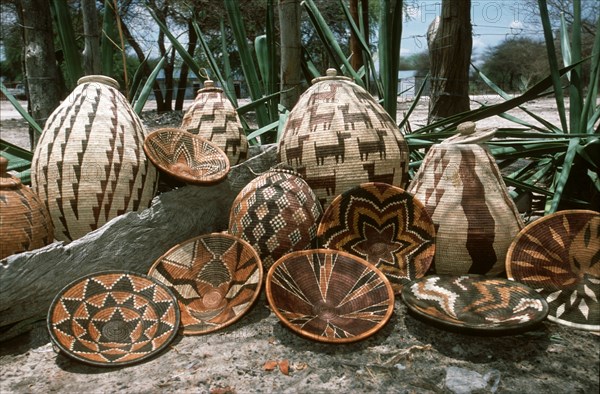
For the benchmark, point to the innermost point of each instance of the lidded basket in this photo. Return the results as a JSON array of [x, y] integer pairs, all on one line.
[[462, 189], [25, 223], [89, 165], [212, 116], [338, 136], [277, 213]]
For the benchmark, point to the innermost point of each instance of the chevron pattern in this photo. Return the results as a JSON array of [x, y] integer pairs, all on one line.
[[329, 296], [113, 318], [215, 277]]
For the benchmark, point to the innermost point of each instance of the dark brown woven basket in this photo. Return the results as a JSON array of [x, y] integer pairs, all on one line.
[[113, 318], [186, 156], [559, 255], [329, 296], [215, 277], [384, 225]]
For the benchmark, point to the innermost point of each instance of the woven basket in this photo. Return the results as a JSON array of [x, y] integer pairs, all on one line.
[[215, 277], [113, 318], [186, 157], [338, 136], [384, 225], [475, 218], [25, 223], [89, 165], [559, 255], [329, 296], [213, 117], [475, 303], [276, 213]]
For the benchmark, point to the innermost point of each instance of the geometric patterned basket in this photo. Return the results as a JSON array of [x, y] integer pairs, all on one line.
[[215, 277], [384, 225], [212, 116], [113, 318], [329, 296], [559, 256], [89, 166]]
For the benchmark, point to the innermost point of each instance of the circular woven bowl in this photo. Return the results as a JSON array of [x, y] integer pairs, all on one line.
[[559, 256], [215, 277], [384, 225], [475, 303], [186, 156], [113, 318], [329, 296]]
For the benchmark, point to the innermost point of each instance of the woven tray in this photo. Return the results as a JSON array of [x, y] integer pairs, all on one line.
[[559, 255], [186, 156], [384, 225], [113, 318], [215, 277], [329, 296], [475, 303]]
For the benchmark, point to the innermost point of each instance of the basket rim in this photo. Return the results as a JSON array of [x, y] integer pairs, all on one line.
[[319, 338]]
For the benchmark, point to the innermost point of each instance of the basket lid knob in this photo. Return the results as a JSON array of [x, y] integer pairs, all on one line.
[[466, 128], [331, 72], [99, 78], [7, 181], [209, 83]]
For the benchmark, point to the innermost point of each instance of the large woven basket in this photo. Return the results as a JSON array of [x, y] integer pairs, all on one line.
[[559, 255], [212, 116], [113, 318], [475, 218], [185, 156], [89, 165], [384, 225], [329, 296], [475, 303], [338, 136], [276, 213], [215, 277], [25, 223]]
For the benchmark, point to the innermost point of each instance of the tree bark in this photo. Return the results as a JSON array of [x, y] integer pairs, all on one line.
[[42, 78], [91, 51], [183, 75], [450, 56], [291, 52]]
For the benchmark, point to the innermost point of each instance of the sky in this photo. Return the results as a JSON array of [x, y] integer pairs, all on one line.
[[492, 20]]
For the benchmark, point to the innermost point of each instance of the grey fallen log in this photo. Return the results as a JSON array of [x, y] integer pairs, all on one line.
[[29, 281]]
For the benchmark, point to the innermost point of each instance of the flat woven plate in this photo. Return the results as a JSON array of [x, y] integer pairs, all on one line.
[[113, 318], [559, 256], [215, 277], [329, 296], [186, 156], [384, 225], [475, 303]]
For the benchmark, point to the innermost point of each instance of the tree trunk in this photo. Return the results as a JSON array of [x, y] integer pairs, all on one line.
[[183, 75], [291, 52], [357, 59], [450, 56], [91, 51], [42, 78]]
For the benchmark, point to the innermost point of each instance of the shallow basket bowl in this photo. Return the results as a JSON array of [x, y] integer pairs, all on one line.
[[113, 318], [215, 277], [329, 296], [384, 225], [186, 156]]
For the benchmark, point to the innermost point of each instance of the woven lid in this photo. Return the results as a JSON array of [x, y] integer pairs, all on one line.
[[186, 156], [209, 86], [113, 318], [384, 225], [99, 78], [467, 134], [329, 296], [475, 303], [330, 74], [7, 181], [215, 277], [559, 256]]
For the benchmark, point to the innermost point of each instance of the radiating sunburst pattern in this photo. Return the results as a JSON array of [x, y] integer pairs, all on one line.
[[113, 318], [559, 255], [329, 296], [475, 302], [186, 156], [215, 277], [384, 225]]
